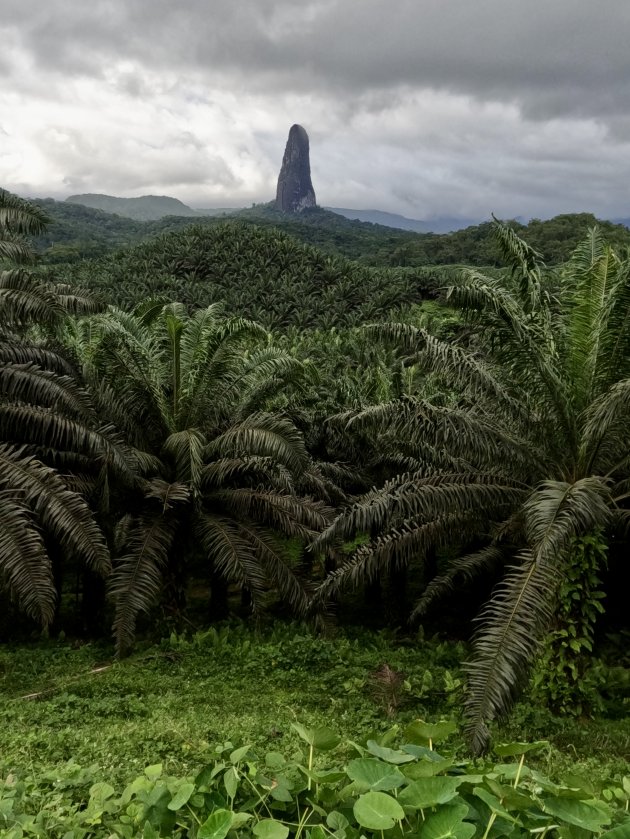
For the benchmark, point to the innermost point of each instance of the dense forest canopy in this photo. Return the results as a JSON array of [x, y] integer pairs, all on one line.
[[77, 232]]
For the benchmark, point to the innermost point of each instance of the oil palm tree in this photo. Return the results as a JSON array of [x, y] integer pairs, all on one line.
[[223, 467], [529, 454], [18, 218], [51, 439]]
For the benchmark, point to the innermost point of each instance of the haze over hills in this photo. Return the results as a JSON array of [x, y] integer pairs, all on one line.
[[437, 225], [154, 207]]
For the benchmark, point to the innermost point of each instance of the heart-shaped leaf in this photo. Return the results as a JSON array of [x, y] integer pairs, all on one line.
[[216, 826], [377, 811], [271, 829], [374, 774], [429, 792]]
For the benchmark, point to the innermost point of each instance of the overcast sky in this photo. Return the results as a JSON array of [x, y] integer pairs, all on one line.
[[422, 107]]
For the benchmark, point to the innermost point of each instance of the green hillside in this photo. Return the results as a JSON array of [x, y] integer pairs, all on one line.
[[259, 272], [79, 232], [143, 208]]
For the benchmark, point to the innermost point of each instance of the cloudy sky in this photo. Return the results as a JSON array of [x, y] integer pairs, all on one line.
[[422, 107]]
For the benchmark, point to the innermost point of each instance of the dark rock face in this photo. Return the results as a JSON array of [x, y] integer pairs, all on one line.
[[295, 190]]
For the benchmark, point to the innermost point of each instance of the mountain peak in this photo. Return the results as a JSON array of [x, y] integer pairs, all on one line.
[[295, 190]]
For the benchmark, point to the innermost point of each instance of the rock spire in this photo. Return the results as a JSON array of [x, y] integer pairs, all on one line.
[[295, 190]]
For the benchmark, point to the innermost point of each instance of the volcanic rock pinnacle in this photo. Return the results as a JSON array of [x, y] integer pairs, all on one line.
[[295, 190]]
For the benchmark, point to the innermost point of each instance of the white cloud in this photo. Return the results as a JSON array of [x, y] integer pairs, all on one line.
[[425, 108]]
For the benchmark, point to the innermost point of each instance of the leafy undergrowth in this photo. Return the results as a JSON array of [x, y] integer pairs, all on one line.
[[72, 718], [408, 791]]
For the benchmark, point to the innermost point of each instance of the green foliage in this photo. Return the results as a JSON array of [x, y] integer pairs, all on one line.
[[529, 454], [406, 791], [565, 679], [259, 273]]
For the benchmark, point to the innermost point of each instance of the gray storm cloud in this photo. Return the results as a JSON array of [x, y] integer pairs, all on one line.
[[417, 106]]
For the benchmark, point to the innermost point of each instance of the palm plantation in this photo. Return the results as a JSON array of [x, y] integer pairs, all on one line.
[[173, 448], [530, 454], [194, 395]]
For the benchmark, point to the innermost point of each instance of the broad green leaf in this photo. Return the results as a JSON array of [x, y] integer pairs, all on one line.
[[239, 819], [216, 826], [238, 754], [270, 829], [322, 777], [153, 772], [426, 769], [230, 781], [421, 733], [448, 823], [374, 774], [181, 796], [275, 760], [429, 792], [323, 739], [336, 820], [389, 755], [305, 733], [511, 749], [101, 791], [493, 803], [622, 831], [592, 815], [422, 752], [377, 811]]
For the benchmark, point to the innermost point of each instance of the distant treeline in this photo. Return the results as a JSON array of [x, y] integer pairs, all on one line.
[[78, 232]]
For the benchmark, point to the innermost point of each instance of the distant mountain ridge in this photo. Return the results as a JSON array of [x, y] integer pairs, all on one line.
[[143, 208], [438, 225], [154, 207]]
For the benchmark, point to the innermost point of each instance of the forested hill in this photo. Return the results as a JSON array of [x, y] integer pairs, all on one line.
[[259, 273], [79, 232]]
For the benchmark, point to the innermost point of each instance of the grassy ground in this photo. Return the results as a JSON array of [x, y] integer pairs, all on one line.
[[174, 703]]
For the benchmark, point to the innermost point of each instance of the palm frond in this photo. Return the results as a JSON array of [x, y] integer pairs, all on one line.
[[592, 269], [21, 216], [557, 511], [393, 550], [264, 435], [24, 300], [186, 451], [464, 568], [29, 383], [252, 471], [231, 553], [28, 424], [524, 261], [25, 568], [62, 513], [504, 647], [136, 579], [16, 351], [294, 517], [167, 494], [424, 499]]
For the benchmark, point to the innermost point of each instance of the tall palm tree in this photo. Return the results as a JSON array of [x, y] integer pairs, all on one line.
[[222, 468], [530, 452], [51, 439], [18, 218]]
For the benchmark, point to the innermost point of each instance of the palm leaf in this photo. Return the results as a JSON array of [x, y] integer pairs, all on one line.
[[263, 435], [62, 513], [136, 579], [25, 568], [512, 624]]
